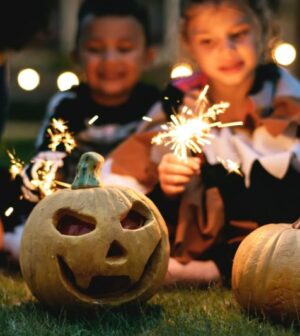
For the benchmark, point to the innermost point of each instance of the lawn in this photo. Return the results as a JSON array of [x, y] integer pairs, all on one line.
[[176, 311]]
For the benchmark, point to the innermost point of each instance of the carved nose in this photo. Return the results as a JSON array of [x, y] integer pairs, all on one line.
[[116, 250]]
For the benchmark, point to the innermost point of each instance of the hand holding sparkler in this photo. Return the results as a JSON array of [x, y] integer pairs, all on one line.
[[174, 173], [45, 164], [43, 172], [39, 177], [190, 130]]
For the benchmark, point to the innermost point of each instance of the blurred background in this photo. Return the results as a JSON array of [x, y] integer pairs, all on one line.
[[37, 71]]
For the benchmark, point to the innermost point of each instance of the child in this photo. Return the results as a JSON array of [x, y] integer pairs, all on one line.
[[228, 39], [112, 49]]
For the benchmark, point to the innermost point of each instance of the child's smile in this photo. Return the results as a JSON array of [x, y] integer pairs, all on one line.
[[231, 67], [113, 54]]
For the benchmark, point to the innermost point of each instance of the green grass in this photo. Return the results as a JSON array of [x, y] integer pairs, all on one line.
[[170, 312]]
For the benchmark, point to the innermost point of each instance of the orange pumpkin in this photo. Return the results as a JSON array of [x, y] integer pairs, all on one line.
[[266, 271], [94, 245]]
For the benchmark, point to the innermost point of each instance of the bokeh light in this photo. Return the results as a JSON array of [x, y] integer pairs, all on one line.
[[66, 80], [284, 54], [181, 70], [28, 79]]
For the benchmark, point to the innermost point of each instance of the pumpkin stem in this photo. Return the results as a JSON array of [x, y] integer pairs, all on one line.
[[296, 225], [88, 171]]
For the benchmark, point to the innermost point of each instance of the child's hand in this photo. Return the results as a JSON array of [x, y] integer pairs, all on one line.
[[30, 191], [175, 174]]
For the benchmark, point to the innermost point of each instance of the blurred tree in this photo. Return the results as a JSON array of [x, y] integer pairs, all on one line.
[[20, 20]]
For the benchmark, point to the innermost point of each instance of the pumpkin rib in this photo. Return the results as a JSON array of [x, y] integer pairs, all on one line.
[[272, 287], [268, 260], [88, 258]]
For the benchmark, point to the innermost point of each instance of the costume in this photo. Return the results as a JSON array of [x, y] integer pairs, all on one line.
[[114, 123], [218, 209], [76, 108]]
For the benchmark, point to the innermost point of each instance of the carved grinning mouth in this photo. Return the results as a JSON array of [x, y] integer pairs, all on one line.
[[100, 286]]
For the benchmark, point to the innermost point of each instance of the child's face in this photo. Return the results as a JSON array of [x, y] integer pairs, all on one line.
[[113, 54], [224, 43]]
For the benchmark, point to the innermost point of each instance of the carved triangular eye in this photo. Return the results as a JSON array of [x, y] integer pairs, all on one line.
[[133, 220], [72, 226]]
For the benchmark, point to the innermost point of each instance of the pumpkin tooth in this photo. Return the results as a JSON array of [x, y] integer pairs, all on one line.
[[82, 280]]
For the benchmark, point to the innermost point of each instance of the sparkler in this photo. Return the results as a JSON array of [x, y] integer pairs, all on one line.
[[44, 177], [190, 130], [17, 165], [59, 134], [44, 171], [43, 174]]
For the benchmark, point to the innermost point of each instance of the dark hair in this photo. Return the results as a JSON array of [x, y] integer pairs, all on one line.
[[253, 4], [263, 10], [100, 8], [20, 20]]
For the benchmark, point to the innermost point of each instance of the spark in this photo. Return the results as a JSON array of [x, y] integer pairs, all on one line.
[[44, 172], [92, 120], [183, 134], [148, 119], [59, 125], [8, 211], [17, 165], [59, 134], [231, 124], [230, 166], [63, 184], [44, 178], [190, 130]]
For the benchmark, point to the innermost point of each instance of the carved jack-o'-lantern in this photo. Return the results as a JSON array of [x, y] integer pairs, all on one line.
[[94, 244]]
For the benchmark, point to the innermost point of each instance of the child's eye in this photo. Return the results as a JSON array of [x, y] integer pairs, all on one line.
[[239, 34], [94, 49], [125, 48], [205, 42]]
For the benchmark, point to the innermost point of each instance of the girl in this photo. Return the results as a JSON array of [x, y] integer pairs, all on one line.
[[229, 41]]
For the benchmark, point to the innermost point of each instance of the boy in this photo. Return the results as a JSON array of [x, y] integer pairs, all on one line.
[[112, 49]]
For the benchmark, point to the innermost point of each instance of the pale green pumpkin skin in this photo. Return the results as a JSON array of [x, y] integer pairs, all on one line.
[[86, 255], [266, 272]]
